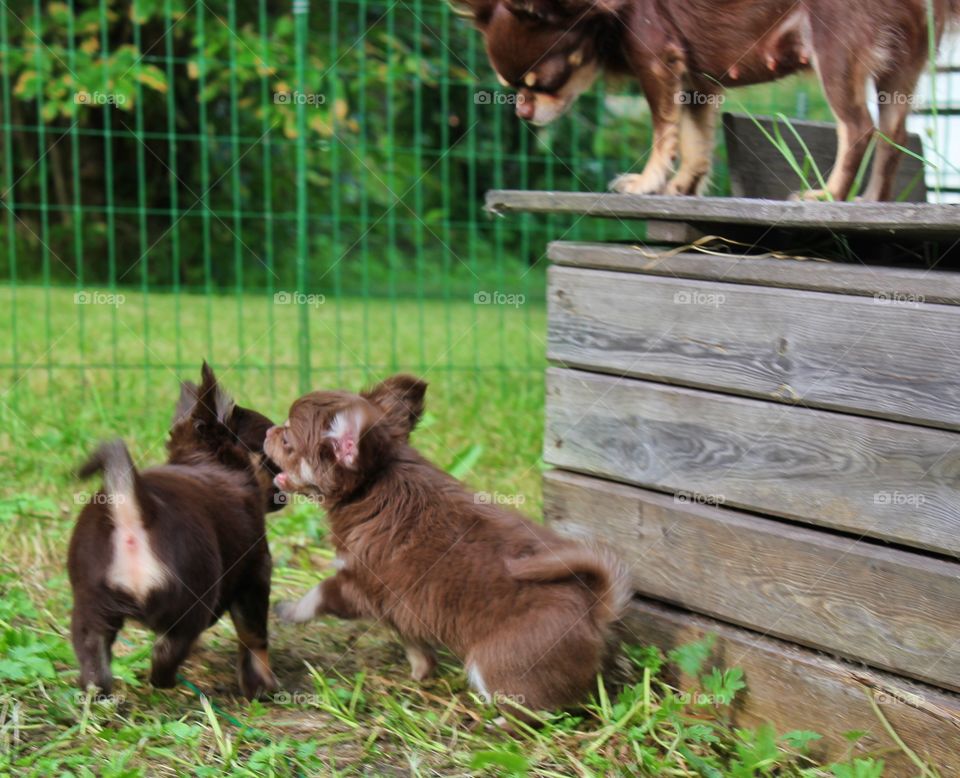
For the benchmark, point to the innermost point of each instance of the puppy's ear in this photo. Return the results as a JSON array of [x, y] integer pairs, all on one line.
[[213, 405], [401, 398], [186, 403], [344, 434]]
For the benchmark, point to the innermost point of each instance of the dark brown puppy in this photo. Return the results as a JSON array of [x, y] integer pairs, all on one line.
[[175, 546], [529, 612], [684, 53]]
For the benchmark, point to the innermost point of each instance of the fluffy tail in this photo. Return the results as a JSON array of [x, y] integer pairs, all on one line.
[[119, 476], [595, 566]]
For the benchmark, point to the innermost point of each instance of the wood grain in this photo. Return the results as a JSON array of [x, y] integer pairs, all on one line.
[[863, 476], [797, 689], [872, 356], [893, 609], [759, 169], [919, 220], [930, 286]]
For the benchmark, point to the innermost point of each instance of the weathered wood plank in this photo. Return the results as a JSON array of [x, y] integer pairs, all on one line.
[[852, 354], [868, 477], [940, 287], [794, 688], [759, 169], [919, 220], [672, 232], [893, 609]]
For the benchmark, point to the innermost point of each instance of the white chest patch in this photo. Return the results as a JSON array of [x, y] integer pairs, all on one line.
[[134, 567], [476, 681]]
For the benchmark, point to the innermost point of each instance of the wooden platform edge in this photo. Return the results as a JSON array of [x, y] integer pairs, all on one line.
[[919, 219], [885, 284], [795, 688]]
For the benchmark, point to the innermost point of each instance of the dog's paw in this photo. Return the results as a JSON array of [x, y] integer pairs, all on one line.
[[812, 196], [289, 612], [686, 185], [639, 183]]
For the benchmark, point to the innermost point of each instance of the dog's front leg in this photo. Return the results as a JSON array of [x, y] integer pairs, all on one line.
[[698, 127], [335, 596], [662, 87]]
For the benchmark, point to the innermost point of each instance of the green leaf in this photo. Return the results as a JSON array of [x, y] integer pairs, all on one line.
[[464, 460], [511, 762], [723, 684], [690, 658], [800, 739]]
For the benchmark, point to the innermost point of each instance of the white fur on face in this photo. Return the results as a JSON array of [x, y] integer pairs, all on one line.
[[476, 681], [549, 107]]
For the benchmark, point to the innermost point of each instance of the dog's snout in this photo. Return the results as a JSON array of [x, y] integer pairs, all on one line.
[[526, 109]]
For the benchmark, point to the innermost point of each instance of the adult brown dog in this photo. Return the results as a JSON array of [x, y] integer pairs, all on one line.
[[530, 613], [684, 53]]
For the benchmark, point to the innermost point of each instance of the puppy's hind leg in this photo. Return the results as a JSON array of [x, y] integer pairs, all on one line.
[[169, 651], [249, 613], [92, 639]]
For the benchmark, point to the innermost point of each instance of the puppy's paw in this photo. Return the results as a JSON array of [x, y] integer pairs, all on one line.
[[648, 183], [293, 612], [423, 661]]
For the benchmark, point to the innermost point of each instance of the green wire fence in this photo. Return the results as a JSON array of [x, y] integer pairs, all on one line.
[[291, 190]]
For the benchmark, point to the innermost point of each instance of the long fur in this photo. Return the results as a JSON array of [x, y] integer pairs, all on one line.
[[533, 615]]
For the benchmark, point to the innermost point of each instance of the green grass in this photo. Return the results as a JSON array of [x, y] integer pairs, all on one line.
[[348, 706]]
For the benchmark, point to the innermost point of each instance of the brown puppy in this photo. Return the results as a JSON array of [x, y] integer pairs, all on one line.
[[175, 546], [530, 613], [684, 53]]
